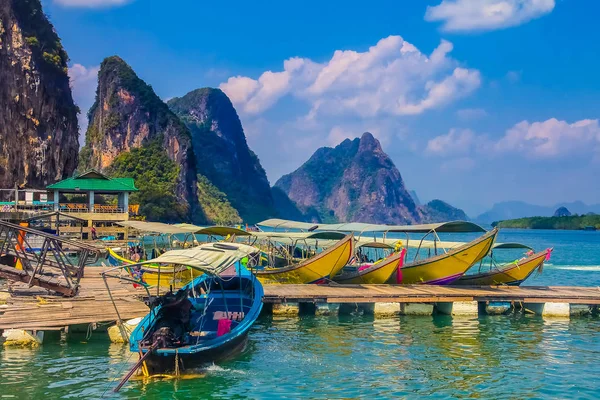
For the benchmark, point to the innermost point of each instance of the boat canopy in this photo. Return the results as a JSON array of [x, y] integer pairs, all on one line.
[[323, 235], [214, 230], [358, 227], [511, 246], [211, 258], [391, 243], [154, 227]]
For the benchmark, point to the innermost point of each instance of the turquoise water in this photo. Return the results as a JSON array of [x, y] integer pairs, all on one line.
[[517, 356]]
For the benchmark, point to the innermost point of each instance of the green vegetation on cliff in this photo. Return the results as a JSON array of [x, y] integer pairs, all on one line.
[[440, 211], [573, 222], [155, 175], [40, 35], [38, 128], [222, 154], [215, 205]]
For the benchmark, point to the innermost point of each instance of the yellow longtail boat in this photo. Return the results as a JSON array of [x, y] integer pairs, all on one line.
[[374, 273], [440, 269], [446, 268], [178, 276], [317, 269], [512, 274], [149, 275]]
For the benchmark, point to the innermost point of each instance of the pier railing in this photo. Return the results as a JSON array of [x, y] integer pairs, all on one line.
[[41, 259]]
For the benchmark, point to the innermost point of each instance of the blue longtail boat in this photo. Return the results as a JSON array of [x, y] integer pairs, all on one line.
[[205, 321]]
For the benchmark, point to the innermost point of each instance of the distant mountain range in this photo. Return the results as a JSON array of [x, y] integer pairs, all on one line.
[[519, 209]]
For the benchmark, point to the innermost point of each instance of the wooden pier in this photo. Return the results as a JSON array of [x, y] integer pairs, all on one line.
[[35, 309], [429, 294]]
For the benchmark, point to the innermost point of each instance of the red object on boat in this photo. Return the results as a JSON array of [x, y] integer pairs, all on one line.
[[223, 327], [400, 264]]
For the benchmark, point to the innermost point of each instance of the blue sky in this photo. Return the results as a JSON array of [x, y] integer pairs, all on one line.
[[476, 101]]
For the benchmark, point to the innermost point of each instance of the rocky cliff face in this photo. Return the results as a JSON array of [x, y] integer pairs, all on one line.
[[222, 154], [355, 181], [128, 116], [38, 119]]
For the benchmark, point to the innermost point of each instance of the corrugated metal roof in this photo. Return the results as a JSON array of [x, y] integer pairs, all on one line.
[[95, 181]]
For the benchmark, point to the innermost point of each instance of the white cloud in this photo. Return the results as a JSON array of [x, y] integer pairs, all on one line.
[[391, 78], [486, 15], [92, 3], [552, 138], [337, 134], [457, 141], [469, 114], [83, 82]]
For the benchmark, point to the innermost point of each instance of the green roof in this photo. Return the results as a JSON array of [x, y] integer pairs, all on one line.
[[95, 181]]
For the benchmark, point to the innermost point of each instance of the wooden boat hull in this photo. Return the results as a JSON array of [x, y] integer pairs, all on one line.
[[169, 276], [317, 269], [374, 274], [446, 268], [510, 274]]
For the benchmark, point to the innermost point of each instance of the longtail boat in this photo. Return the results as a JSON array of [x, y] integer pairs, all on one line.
[[207, 320], [148, 274], [317, 269], [175, 276], [442, 268], [377, 272], [512, 274], [446, 268]]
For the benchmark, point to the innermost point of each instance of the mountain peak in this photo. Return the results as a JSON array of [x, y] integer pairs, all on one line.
[[368, 143], [129, 123], [355, 181], [222, 153]]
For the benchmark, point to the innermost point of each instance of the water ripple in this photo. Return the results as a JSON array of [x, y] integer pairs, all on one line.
[[343, 357]]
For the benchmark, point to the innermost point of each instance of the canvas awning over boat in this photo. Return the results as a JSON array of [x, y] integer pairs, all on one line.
[[216, 230], [359, 228], [324, 235], [391, 243], [511, 246], [154, 227], [211, 258], [287, 224]]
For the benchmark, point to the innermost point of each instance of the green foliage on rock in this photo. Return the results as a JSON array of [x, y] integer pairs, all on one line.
[[215, 205], [573, 222], [32, 41], [440, 211], [40, 35], [155, 176]]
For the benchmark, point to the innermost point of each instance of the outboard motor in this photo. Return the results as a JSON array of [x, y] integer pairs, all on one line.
[[164, 337]]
